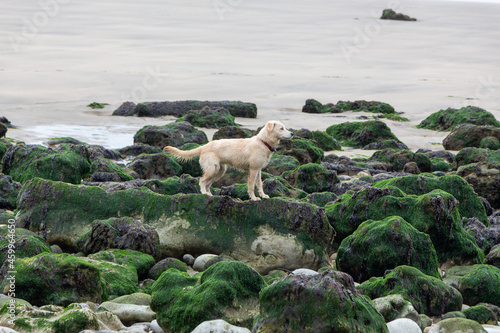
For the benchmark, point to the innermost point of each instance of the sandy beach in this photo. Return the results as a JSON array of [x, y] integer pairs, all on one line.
[[57, 56]]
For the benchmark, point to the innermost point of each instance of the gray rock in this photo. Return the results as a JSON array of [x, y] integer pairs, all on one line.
[[218, 326], [403, 325], [201, 261], [156, 328], [455, 325], [394, 307], [188, 259], [129, 313], [305, 271]]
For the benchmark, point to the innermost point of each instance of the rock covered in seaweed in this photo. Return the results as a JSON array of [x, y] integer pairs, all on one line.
[[469, 135], [179, 108], [427, 294], [173, 134], [377, 246], [209, 117], [326, 302], [389, 14], [361, 134], [227, 290], [445, 120], [312, 178]]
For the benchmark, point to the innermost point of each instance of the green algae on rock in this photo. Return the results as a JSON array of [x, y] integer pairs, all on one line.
[[468, 135], [360, 134], [396, 159], [305, 151], [445, 120], [434, 213], [141, 262], [312, 178], [58, 279], [173, 134], [289, 232], [326, 302], [481, 285], [482, 314], [377, 246], [469, 204], [209, 117], [224, 289], [24, 244], [66, 163], [427, 294]]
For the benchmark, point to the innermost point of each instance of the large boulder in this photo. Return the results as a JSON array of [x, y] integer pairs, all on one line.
[[360, 134], [68, 163], [485, 179], [123, 233], [468, 135], [179, 108], [103, 170], [445, 120], [313, 106], [434, 213], [452, 325], [427, 294], [377, 246], [270, 234], [17, 243], [173, 134], [481, 284], [209, 118], [59, 279], [232, 132], [227, 290], [365, 106], [469, 204], [394, 306], [326, 302]]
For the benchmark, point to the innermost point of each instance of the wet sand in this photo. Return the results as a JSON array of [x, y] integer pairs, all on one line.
[[58, 56]]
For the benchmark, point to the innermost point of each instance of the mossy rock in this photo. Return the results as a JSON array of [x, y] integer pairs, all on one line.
[[434, 213], [174, 185], [386, 144], [141, 262], [164, 265], [103, 170], [326, 302], [493, 257], [124, 233], [365, 106], [179, 108], [21, 246], [232, 132], [490, 142], [468, 135], [325, 141], [446, 120], [312, 178], [305, 151], [118, 279], [138, 149], [49, 318], [457, 325], [477, 155], [65, 139], [427, 294], [481, 285], [320, 198], [360, 134], [396, 159], [59, 279], [209, 118], [439, 164], [481, 314], [182, 302], [193, 223], [174, 134], [469, 204], [9, 189], [66, 163], [377, 246], [280, 164], [154, 166], [313, 106]]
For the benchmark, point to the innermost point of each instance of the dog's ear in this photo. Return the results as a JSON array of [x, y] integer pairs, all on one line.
[[270, 126]]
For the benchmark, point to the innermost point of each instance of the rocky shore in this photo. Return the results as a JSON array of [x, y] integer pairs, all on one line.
[[121, 240]]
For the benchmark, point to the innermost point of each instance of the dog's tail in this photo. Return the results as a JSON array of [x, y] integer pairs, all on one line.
[[183, 155]]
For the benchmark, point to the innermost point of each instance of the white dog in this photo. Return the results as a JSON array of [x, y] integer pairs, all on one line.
[[251, 155]]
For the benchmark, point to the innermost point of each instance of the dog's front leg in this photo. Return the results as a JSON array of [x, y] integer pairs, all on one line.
[[252, 175], [260, 187]]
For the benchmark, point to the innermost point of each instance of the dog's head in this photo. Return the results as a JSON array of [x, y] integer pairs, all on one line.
[[277, 130]]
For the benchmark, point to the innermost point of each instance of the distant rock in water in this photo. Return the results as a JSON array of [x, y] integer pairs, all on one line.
[[180, 108], [389, 14], [313, 106]]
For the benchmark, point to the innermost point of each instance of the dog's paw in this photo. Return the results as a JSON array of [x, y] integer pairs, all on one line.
[[255, 199], [264, 196]]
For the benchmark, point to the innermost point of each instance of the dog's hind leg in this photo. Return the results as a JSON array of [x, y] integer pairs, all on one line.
[[212, 171], [252, 175], [260, 187]]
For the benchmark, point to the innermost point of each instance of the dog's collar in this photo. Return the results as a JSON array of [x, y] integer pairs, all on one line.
[[268, 145]]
